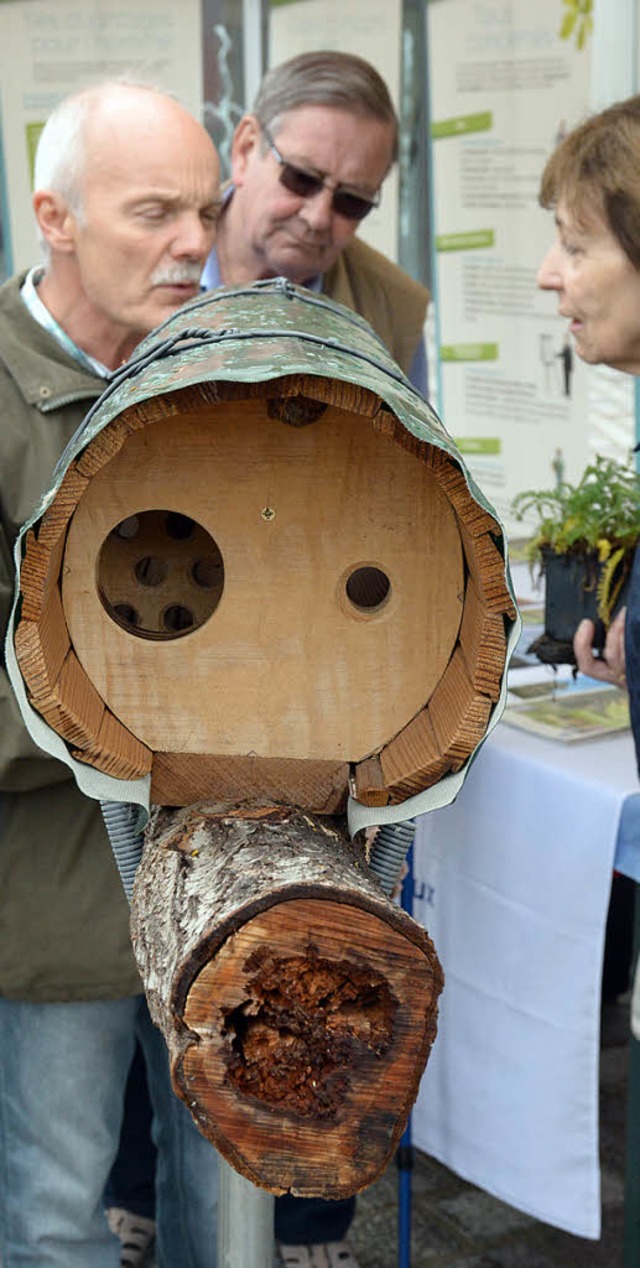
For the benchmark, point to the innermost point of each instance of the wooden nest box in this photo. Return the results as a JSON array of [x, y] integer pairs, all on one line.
[[264, 577]]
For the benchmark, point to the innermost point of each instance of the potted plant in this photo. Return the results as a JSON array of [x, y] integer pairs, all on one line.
[[583, 545]]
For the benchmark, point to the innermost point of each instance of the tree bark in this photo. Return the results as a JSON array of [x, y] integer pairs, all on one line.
[[298, 1003]]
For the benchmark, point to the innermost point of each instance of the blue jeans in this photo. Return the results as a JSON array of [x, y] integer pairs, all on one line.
[[63, 1071]]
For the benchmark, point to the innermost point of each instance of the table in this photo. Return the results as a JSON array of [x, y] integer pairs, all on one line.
[[512, 881]]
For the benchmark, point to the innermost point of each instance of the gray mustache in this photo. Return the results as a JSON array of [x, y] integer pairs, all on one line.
[[176, 275]]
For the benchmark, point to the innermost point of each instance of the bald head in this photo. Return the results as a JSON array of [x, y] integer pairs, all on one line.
[[126, 199], [110, 113]]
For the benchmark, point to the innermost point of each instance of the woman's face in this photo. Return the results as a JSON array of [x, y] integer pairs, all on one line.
[[598, 289]]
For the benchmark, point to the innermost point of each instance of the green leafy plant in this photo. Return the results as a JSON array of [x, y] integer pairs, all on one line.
[[600, 513], [598, 519]]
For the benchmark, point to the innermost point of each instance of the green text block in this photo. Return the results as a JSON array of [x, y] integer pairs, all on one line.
[[469, 352], [462, 123]]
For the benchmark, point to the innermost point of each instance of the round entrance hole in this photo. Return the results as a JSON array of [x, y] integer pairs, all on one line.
[[160, 574], [368, 588]]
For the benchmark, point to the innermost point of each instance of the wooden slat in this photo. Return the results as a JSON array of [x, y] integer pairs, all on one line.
[[476, 520], [41, 647], [486, 565], [180, 779], [459, 714], [347, 396], [483, 641], [39, 573], [55, 519], [103, 447], [370, 786], [387, 424], [413, 760], [73, 709], [116, 751], [199, 396]]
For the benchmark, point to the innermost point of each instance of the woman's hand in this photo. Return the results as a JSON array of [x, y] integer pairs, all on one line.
[[610, 667]]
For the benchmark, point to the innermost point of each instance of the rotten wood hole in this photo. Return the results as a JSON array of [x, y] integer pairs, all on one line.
[[305, 1025]]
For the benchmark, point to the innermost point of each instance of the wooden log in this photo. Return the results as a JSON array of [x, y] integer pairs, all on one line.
[[298, 1003]]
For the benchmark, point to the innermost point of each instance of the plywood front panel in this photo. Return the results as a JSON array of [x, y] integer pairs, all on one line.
[[286, 665]]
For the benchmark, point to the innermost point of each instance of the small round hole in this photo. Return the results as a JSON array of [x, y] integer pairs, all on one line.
[[127, 614], [179, 527], [207, 572], [128, 528], [150, 571], [177, 618], [367, 588]]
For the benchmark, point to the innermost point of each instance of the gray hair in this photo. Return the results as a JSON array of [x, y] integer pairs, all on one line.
[[61, 154], [325, 78]]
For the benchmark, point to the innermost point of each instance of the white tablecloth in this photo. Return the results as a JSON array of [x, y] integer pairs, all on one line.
[[512, 881]]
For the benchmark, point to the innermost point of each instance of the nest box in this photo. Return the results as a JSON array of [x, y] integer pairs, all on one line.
[[265, 575]]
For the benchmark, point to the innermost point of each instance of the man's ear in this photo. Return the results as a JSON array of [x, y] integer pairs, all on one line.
[[56, 222], [246, 140]]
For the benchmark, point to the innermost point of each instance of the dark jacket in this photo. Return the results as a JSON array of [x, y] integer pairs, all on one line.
[[64, 921], [632, 650]]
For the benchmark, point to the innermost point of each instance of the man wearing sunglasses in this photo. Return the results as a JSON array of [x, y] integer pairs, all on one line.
[[308, 164]]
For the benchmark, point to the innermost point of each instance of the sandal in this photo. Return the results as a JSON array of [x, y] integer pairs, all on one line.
[[318, 1255]]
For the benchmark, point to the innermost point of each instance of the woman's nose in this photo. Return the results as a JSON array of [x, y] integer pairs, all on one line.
[[548, 275]]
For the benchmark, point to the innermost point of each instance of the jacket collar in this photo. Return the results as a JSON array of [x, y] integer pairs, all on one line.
[[44, 373]]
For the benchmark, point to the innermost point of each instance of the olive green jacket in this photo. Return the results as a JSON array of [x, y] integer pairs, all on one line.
[[64, 926], [64, 921], [394, 305]]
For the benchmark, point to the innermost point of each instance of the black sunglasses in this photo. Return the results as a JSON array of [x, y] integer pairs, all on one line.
[[307, 184]]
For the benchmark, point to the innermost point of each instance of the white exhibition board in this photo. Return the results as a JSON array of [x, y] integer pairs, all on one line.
[[51, 48], [501, 97]]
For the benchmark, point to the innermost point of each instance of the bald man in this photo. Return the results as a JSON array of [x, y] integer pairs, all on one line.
[[126, 203]]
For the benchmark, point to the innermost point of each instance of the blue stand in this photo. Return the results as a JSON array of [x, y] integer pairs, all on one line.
[[404, 1156]]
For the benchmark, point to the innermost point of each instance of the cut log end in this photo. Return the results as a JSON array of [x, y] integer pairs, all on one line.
[[298, 1002]]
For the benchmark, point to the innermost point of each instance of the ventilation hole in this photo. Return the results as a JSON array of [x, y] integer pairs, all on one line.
[[127, 614], [177, 618], [367, 588], [128, 528], [151, 571], [179, 527], [207, 572]]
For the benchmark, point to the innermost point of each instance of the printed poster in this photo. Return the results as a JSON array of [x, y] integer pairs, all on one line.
[[50, 48], [507, 80]]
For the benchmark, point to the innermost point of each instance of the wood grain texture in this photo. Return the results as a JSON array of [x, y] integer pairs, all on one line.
[[181, 779], [286, 666], [298, 1003]]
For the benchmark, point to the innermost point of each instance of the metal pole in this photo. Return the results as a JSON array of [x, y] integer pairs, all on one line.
[[246, 1213], [404, 1156], [245, 1222]]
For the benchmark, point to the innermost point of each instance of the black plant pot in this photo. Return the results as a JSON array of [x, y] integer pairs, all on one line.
[[571, 594]]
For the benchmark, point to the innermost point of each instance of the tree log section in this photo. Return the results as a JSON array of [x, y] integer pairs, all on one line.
[[298, 1003]]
